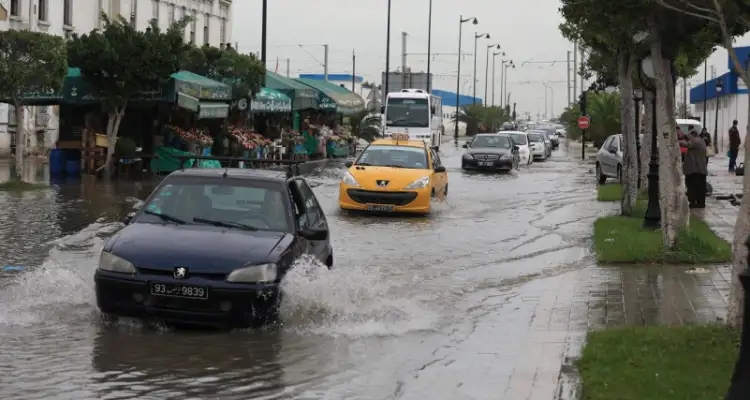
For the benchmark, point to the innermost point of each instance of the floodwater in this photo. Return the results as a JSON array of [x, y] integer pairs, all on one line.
[[485, 299]]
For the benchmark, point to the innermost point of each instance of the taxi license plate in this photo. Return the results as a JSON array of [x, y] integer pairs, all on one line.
[[485, 163], [380, 208], [177, 290]]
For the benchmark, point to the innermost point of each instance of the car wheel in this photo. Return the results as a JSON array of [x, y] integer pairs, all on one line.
[[619, 174], [265, 311], [599, 175]]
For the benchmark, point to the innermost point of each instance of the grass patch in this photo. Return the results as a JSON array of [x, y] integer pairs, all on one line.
[[613, 192], [658, 363], [622, 240], [18, 186]]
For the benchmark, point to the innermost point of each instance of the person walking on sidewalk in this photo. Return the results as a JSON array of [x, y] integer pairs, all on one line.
[[734, 145], [695, 169]]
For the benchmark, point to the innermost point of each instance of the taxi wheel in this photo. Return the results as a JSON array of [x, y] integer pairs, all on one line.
[[432, 194]]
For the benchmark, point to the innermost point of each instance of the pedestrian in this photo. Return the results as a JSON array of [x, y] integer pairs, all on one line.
[[734, 145], [695, 169], [680, 138], [706, 138]]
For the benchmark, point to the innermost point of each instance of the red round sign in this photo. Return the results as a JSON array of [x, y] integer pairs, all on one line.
[[583, 122]]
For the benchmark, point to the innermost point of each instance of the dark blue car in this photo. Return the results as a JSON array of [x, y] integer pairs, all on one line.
[[210, 247]]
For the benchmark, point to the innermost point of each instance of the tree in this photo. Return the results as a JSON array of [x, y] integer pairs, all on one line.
[[730, 19], [479, 118], [119, 62], [30, 62], [244, 72]]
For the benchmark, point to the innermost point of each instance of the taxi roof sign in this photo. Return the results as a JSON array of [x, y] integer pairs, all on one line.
[[400, 137]]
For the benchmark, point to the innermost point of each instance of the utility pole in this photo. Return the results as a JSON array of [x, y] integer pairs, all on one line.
[[684, 97], [429, 48], [354, 69], [325, 62], [568, 78], [583, 83], [502, 84], [575, 66], [404, 68], [288, 69], [264, 34]]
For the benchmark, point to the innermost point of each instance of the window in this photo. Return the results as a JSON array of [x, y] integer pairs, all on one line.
[[193, 25], [43, 10], [155, 10], [313, 214], [15, 8], [501, 142], [404, 112], [223, 31], [259, 204], [519, 139], [170, 13], [394, 156], [68, 12], [535, 138], [206, 28]]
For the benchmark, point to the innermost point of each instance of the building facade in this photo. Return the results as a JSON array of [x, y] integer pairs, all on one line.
[[211, 24]]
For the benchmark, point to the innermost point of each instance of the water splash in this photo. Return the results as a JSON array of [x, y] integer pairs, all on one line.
[[349, 301]]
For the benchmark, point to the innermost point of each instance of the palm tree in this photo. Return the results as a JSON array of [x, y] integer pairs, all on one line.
[[470, 115], [604, 111], [479, 118]]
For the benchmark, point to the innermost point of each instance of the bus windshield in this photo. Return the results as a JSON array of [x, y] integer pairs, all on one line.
[[402, 112]]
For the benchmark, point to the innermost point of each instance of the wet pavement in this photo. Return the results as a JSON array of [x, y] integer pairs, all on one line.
[[488, 298]]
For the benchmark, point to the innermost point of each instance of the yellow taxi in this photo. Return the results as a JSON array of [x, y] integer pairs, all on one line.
[[394, 175]]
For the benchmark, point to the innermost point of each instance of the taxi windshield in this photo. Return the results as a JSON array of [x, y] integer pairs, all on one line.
[[393, 156], [232, 203], [501, 142]]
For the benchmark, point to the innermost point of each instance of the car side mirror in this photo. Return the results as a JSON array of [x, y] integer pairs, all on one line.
[[514, 148], [382, 109], [465, 146], [313, 234], [128, 218], [348, 164], [439, 169]]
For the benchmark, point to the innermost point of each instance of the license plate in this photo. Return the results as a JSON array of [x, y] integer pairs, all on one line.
[[486, 163], [380, 208], [177, 290]]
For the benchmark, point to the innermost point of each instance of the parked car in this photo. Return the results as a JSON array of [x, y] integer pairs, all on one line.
[[609, 159], [491, 152], [210, 247]]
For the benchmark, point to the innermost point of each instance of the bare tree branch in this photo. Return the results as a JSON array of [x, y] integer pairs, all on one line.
[[664, 4]]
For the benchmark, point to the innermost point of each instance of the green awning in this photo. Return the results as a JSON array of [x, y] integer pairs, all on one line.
[[302, 96], [73, 90], [271, 100], [346, 101], [212, 110], [199, 87]]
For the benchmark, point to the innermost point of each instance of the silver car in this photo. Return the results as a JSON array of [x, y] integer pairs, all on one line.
[[609, 159]]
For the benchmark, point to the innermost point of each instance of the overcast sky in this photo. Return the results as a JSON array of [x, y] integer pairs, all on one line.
[[526, 30]]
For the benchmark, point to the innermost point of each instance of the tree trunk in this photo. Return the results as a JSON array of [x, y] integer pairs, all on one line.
[[648, 116], [113, 127], [20, 140], [741, 231], [671, 187], [627, 127]]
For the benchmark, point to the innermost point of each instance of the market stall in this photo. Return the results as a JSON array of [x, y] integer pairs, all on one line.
[[337, 99]]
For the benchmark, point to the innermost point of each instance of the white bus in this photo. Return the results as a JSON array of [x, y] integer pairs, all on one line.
[[416, 113]]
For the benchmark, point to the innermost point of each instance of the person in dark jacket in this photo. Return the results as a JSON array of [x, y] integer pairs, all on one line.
[[734, 145], [706, 138], [695, 169]]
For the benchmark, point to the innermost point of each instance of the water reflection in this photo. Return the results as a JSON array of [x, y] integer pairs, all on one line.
[[187, 364]]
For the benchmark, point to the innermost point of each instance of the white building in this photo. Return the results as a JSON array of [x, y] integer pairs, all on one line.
[[212, 24]]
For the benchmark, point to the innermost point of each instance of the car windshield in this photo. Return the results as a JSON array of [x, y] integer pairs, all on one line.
[[502, 142], [393, 156], [535, 138], [233, 203], [518, 139], [408, 113]]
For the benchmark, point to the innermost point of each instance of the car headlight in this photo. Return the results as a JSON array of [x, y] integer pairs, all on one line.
[[420, 183], [262, 273], [348, 179], [112, 263], [468, 156]]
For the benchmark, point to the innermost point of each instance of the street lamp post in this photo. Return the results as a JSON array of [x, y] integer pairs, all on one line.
[[487, 70], [387, 51], [652, 219], [263, 33], [637, 97], [458, 72], [476, 39], [429, 47], [719, 88], [505, 81], [494, 55]]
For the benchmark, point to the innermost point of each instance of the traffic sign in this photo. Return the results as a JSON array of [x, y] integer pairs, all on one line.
[[583, 122]]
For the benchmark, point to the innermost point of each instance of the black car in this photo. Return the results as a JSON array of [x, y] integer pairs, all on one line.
[[210, 247], [492, 152]]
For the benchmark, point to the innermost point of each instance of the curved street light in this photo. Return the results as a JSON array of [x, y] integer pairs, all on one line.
[[477, 36], [461, 23], [487, 69], [504, 83]]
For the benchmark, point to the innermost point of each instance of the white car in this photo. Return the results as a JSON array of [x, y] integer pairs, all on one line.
[[538, 146], [521, 140]]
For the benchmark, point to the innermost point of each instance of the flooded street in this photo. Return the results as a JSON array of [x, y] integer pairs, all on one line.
[[478, 301]]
